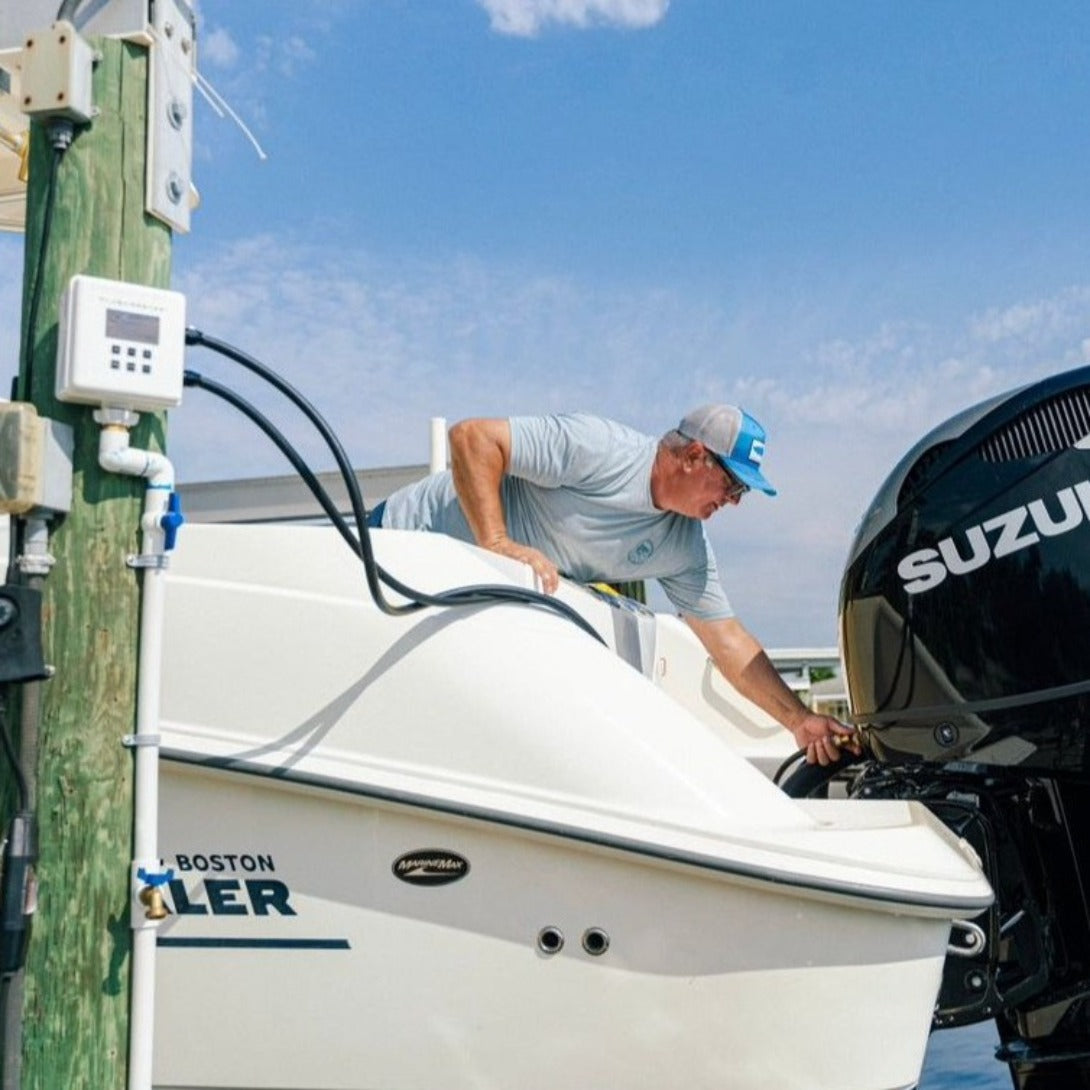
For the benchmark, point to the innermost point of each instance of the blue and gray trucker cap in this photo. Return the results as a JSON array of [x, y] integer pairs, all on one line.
[[734, 437]]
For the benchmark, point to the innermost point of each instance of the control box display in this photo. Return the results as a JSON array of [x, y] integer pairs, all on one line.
[[120, 345]]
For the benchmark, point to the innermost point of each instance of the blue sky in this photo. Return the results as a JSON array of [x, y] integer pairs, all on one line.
[[854, 219]]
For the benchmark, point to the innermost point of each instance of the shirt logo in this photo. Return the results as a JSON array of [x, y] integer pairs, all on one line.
[[642, 552]]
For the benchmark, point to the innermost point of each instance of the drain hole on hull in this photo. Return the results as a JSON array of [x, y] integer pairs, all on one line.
[[595, 941], [550, 940]]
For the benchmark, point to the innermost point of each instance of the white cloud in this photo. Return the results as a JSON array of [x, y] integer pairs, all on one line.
[[286, 49], [526, 18], [1038, 321], [218, 48], [381, 346], [285, 54], [295, 53], [384, 347]]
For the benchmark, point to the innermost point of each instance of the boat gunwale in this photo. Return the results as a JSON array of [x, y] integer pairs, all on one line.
[[893, 899]]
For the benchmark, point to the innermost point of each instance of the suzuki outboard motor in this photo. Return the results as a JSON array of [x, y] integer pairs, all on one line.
[[965, 630]]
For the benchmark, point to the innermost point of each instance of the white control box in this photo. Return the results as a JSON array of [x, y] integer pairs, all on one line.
[[120, 344]]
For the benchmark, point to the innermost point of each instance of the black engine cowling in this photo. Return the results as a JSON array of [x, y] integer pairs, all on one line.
[[965, 631], [965, 606]]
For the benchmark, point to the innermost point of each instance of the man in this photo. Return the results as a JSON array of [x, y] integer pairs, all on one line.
[[596, 500]]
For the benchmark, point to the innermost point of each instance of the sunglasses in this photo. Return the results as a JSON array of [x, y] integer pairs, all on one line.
[[735, 488]]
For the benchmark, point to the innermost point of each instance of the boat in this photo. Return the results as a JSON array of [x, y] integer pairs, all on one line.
[[477, 847]]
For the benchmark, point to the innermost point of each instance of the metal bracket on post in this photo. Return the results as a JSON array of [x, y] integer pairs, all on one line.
[[172, 65], [132, 741], [158, 561]]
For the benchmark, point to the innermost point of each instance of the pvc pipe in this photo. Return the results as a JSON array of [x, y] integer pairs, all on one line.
[[146, 824], [437, 460], [115, 456]]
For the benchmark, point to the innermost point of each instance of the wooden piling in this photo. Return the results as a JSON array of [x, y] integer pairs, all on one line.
[[76, 985]]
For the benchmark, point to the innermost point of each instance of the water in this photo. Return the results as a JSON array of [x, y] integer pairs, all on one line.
[[964, 1059]]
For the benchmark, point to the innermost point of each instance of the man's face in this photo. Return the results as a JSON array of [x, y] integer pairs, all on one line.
[[708, 487]]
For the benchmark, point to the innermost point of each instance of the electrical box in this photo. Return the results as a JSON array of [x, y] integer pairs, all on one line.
[[35, 461], [121, 345], [56, 81], [21, 656]]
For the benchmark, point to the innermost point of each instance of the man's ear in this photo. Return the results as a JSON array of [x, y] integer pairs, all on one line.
[[692, 456]]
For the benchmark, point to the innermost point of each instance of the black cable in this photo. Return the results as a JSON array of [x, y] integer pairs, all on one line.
[[464, 596], [36, 290], [359, 513], [483, 594], [196, 337], [61, 132], [12, 984], [309, 477], [793, 759], [13, 759]]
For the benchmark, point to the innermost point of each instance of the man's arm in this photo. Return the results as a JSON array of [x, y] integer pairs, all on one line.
[[743, 662], [480, 453]]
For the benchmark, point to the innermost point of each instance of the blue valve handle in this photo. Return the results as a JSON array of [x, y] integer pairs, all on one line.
[[154, 880], [171, 521]]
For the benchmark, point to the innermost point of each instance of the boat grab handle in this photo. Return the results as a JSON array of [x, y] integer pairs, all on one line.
[[973, 943]]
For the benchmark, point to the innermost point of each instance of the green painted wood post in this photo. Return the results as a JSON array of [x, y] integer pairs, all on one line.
[[77, 977]]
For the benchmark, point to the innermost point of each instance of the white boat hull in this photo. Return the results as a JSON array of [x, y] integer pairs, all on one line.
[[311, 744], [708, 981]]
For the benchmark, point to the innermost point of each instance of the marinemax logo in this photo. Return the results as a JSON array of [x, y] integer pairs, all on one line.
[[997, 537], [430, 867]]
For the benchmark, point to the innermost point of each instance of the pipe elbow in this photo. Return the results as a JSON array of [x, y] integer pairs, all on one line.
[[116, 456], [158, 470]]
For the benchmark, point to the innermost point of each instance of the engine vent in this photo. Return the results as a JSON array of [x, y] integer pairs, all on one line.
[[1053, 425], [919, 471]]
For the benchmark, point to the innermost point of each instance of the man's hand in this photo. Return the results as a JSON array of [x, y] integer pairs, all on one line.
[[824, 738], [745, 665], [543, 567], [480, 452]]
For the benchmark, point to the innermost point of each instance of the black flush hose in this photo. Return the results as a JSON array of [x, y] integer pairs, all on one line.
[[360, 540]]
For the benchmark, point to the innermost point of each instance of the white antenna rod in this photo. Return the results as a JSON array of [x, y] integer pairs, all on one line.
[[219, 104], [438, 455]]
